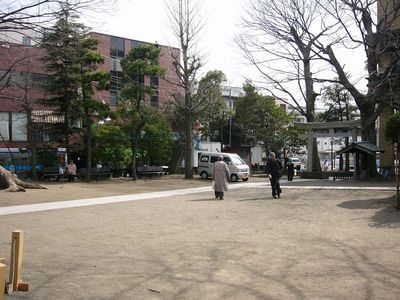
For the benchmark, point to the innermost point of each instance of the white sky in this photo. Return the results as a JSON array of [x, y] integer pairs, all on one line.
[[148, 21]]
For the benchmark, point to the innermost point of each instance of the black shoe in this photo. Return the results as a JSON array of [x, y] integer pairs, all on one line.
[[279, 195], [274, 196]]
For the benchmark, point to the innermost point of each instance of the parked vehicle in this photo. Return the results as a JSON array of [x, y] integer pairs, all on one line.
[[237, 167], [296, 162]]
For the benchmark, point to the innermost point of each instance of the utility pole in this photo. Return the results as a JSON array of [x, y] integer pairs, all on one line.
[[230, 117]]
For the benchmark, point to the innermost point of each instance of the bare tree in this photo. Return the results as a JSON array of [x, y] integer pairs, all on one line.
[[17, 75], [25, 16], [21, 88], [363, 29], [21, 15], [186, 25], [279, 40]]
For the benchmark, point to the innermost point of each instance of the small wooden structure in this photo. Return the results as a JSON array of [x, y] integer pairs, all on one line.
[[363, 151], [2, 278]]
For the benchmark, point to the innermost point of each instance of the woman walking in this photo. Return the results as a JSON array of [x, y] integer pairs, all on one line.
[[220, 178]]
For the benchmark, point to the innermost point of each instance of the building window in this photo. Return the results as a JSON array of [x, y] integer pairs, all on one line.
[[19, 127], [117, 47], [113, 98], [26, 40], [13, 126], [154, 101], [139, 79], [135, 44], [39, 80], [5, 126], [115, 86]]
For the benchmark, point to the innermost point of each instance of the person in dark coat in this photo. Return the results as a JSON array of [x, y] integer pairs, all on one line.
[[220, 178], [290, 170], [274, 172]]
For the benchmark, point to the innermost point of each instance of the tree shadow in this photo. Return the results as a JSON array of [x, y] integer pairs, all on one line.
[[387, 215], [207, 199], [264, 198]]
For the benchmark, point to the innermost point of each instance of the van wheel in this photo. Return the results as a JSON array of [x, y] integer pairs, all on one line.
[[204, 175], [234, 178], [245, 179]]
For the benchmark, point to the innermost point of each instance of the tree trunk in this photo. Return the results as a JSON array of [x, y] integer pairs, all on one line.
[[88, 151], [368, 133], [9, 182], [188, 147], [134, 145]]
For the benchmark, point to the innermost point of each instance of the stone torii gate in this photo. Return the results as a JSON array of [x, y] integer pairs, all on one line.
[[337, 129]]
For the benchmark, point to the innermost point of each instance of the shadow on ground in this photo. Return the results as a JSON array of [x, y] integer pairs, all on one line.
[[387, 215]]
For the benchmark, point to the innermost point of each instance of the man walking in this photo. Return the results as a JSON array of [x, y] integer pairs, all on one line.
[[274, 172]]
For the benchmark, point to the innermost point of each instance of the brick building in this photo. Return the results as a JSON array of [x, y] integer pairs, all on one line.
[[114, 48], [22, 71]]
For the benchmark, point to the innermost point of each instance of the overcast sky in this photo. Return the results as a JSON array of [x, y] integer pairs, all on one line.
[[148, 21]]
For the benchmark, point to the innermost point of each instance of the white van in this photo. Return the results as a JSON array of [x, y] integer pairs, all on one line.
[[237, 167], [296, 162]]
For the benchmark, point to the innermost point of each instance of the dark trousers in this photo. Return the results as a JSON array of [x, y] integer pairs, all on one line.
[[219, 195], [276, 187], [290, 176]]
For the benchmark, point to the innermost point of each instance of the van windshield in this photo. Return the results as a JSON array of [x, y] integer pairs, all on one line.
[[237, 160]]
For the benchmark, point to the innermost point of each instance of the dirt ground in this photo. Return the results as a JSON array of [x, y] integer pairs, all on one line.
[[313, 243]]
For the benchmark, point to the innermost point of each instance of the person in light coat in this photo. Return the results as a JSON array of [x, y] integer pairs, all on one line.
[[220, 178]]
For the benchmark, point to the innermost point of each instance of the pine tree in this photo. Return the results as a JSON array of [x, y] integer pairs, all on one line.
[[140, 62], [72, 63]]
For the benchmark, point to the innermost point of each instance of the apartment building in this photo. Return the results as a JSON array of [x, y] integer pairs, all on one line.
[[22, 71], [115, 48]]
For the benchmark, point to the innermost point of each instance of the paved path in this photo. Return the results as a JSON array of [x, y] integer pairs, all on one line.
[[162, 194]]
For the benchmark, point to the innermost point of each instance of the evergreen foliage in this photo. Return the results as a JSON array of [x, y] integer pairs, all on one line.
[[339, 103], [392, 131], [261, 119], [134, 112]]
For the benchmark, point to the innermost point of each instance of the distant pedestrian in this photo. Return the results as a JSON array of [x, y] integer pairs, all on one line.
[[325, 165], [71, 171], [220, 178], [60, 172], [274, 172], [290, 170]]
